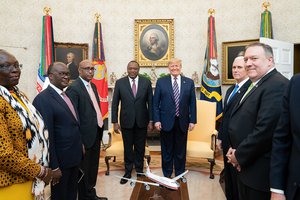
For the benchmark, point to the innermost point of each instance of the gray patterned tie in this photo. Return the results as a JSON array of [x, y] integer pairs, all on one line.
[[176, 96]]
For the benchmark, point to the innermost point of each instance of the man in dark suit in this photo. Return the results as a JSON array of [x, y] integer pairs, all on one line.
[[86, 100], [232, 97], [72, 66], [285, 159], [135, 95], [253, 122], [62, 122], [174, 112]]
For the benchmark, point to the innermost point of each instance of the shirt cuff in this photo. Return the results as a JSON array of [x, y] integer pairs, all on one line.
[[277, 191]]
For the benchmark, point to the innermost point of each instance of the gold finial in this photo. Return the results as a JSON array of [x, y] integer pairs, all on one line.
[[98, 17], [266, 4], [211, 11], [47, 10]]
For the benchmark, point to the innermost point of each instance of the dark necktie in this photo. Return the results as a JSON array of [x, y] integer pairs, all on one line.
[[176, 96], [133, 87], [69, 103], [233, 92]]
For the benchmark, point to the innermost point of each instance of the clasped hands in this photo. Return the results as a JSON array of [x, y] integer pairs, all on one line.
[[232, 159], [48, 175]]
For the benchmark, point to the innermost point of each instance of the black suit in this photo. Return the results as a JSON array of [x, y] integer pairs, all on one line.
[[285, 161], [230, 172], [251, 128], [135, 114], [65, 141], [91, 135]]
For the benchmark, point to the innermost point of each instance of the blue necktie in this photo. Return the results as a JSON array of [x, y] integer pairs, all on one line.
[[176, 96], [233, 92]]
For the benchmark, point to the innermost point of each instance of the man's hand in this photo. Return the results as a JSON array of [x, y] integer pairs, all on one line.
[[116, 127], [56, 174], [48, 176], [157, 126], [277, 196], [150, 127], [232, 159], [219, 145], [191, 126]]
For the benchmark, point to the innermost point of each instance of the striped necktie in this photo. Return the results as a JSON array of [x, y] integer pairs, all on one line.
[[96, 106], [176, 96]]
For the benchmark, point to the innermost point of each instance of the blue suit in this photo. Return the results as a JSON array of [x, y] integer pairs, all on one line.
[[65, 141], [174, 129]]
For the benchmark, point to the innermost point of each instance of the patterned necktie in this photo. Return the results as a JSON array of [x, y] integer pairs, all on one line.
[[176, 96], [69, 103], [96, 106], [233, 93], [133, 87]]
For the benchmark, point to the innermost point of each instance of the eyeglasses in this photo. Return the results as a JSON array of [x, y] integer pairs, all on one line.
[[8, 66], [88, 68], [62, 74]]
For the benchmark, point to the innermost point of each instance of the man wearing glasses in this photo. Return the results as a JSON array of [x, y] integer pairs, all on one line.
[[86, 100], [61, 119]]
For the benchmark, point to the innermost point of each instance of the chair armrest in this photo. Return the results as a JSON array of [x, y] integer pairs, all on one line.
[[109, 142], [214, 140]]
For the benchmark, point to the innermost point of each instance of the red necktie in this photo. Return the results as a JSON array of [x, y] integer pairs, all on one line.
[[133, 87]]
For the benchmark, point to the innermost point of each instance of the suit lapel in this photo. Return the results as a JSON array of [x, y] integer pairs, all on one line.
[[127, 85], [84, 90], [60, 101], [138, 92], [170, 87], [266, 77]]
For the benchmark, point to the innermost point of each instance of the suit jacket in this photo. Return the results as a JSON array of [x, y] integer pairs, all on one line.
[[164, 103], [228, 107], [285, 162], [87, 113], [64, 133], [133, 109], [251, 128]]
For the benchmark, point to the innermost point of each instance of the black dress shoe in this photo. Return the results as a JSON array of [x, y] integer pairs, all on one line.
[[100, 198], [123, 181]]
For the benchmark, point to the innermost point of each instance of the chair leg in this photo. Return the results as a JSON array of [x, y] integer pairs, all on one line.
[[107, 158], [148, 157], [212, 163], [114, 159]]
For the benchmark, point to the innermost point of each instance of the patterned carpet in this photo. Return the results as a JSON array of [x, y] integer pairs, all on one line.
[[193, 164]]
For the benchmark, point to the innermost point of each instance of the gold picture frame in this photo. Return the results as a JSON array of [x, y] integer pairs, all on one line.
[[154, 41], [80, 52], [230, 51]]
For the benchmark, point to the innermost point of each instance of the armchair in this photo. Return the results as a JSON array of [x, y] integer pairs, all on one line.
[[115, 149], [202, 139]]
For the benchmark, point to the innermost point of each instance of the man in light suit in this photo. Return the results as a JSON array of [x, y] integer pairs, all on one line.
[[232, 97], [253, 122], [285, 160], [174, 113], [64, 133], [86, 100], [135, 95]]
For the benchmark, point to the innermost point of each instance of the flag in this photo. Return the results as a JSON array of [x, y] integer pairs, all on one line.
[[210, 85], [266, 29], [47, 52], [100, 76]]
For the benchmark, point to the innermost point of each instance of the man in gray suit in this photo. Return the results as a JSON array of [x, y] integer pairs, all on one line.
[[135, 95]]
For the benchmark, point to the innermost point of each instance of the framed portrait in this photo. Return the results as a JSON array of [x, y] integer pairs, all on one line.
[[154, 41], [230, 50], [71, 54]]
